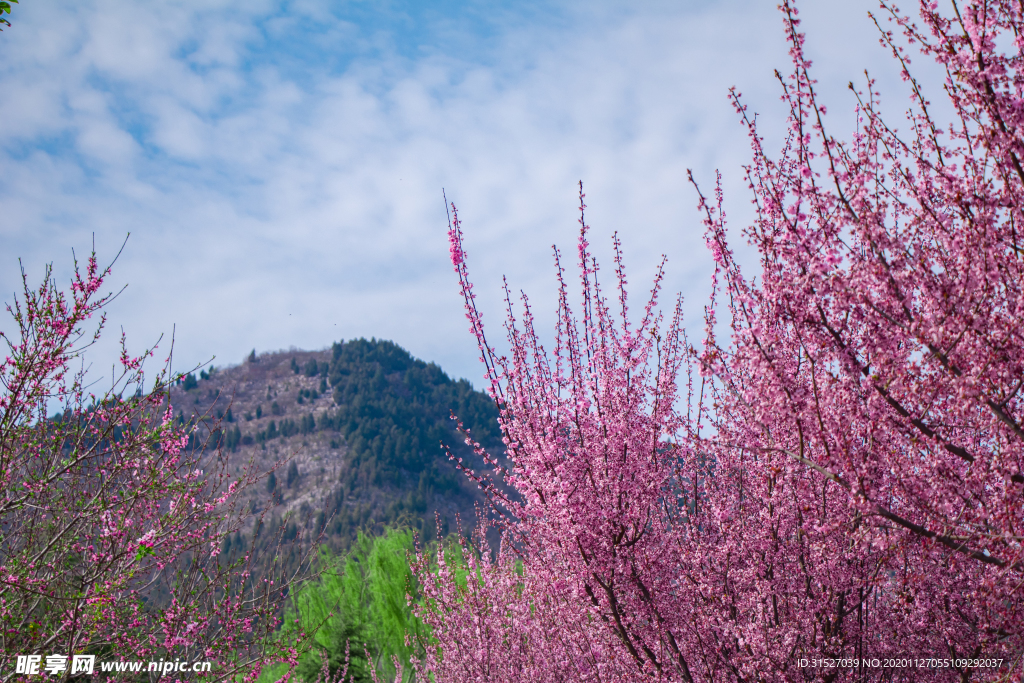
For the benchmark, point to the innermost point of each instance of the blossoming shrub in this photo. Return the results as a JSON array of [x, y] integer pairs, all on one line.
[[841, 480], [110, 523]]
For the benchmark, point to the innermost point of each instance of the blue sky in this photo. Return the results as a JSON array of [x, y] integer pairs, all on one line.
[[280, 165]]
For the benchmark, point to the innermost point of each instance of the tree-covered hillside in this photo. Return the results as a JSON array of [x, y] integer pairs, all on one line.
[[356, 432], [394, 410]]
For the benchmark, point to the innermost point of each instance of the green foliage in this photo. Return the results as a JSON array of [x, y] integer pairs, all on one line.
[[288, 428], [5, 6], [189, 382], [232, 438], [395, 410], [360, 601]]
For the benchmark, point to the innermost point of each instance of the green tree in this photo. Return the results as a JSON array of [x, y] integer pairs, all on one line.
[[360, 603], [395, 410]]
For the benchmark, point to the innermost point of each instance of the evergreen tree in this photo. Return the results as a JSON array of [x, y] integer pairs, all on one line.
[[365, 592], [394, 410]]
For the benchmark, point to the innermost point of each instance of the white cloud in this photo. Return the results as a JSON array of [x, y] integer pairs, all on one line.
[[275, 202]]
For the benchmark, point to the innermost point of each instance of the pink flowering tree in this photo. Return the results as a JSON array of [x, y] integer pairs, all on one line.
[[585, 585], [878, 362], [840, 479], [110, 521]]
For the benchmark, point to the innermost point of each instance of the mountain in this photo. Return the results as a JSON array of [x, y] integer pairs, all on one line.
[[361, 425]]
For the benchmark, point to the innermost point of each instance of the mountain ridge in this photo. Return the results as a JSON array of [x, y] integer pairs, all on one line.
[[355, 431]]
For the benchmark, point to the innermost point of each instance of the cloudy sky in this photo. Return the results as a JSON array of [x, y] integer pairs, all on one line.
[[279, 165]]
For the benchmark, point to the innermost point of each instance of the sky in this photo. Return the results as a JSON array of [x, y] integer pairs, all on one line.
[[277, 167]]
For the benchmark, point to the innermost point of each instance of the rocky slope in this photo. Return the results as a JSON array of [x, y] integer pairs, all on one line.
[[354, 433]]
